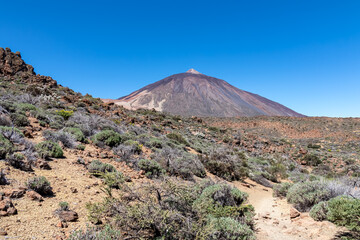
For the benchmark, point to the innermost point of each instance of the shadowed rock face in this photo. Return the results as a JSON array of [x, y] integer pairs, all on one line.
[[195, 94]]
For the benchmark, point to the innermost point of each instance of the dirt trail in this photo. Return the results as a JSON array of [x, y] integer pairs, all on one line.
[[273, 216]]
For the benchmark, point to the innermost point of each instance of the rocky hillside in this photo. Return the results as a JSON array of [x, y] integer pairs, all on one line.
[[73, 167], [195, 94]]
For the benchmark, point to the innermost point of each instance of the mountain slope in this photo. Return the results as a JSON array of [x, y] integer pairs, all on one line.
[[193, 93]]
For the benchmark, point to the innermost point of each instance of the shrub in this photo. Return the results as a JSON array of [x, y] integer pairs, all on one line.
[[97, 168], [311, 159], [319, 211], [107, 137], [177, 138], [152, 168], [19, 119], [77, 133], [106, 233], [345, 211], [3, 179], [6, 146], [17, 160], [113, 179], [280, 190], [64, 206], [25, 107], [48, 149], [225, 164], [65, 138], [220, 200], [81, 147], [65, 114], [304, 195], [135, 146], [40, 185], [229, 228]]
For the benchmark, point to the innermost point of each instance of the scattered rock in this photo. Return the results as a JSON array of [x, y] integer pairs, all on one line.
[[73, 190], [3, 232], [68, 216], [14, 193], [43, 165], [34, 196], [7, 208], [294, 213]]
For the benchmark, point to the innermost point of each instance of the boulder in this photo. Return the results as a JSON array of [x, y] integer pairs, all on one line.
[[294, 213], [34, 196], [68, 216]]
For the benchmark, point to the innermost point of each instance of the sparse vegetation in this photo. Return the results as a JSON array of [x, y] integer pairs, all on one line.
[[40, 185], [49, 149]]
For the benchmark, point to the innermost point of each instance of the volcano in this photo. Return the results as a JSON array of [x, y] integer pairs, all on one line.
[[195, 94]]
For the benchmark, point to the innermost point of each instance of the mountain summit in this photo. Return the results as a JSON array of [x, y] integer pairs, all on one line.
[[195, 94]]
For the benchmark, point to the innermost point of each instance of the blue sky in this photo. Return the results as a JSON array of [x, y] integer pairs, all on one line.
[[303, 54]]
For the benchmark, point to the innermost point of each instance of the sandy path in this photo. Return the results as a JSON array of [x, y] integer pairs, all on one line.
[[273, 216]]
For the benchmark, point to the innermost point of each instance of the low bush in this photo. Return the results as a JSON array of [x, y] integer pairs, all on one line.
[[345, 211], [221, 200], [135, 146], [225, 164], [280, 190], [151, 168], [76, 132], [17, 160], [19, 119], [311, 159], [6, 147], [107, 137], [304, 195], [49, 149], [97, 168], [40, 185], [319, 211], [67, 139], [92, 233], [65, 114], [64, 206], [229, 228], [25, 107], [113, 179], [177, 138]]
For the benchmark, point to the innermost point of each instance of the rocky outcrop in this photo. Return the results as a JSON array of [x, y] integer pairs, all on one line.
[[13, 67]]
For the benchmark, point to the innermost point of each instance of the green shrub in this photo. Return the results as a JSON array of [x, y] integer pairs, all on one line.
[[25, 107], [280, 190], [319, 211], [65, 114], [220, 200], [229, 228], [40, 185], [80, 147], [64, 206], [225, 164], [107, 137], [345, 211], [77, 133], [137, 148], [177, 138], [97, 168], [304, 195], [311, 159], [155, 143], [151, 168], [19, 119], [106, 233], [6, 147], [113, 179], [48, 149]]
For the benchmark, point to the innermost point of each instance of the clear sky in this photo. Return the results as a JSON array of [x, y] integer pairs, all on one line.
[[303, 54]]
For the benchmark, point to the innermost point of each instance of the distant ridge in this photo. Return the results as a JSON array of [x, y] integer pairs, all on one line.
[[195, 94]]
